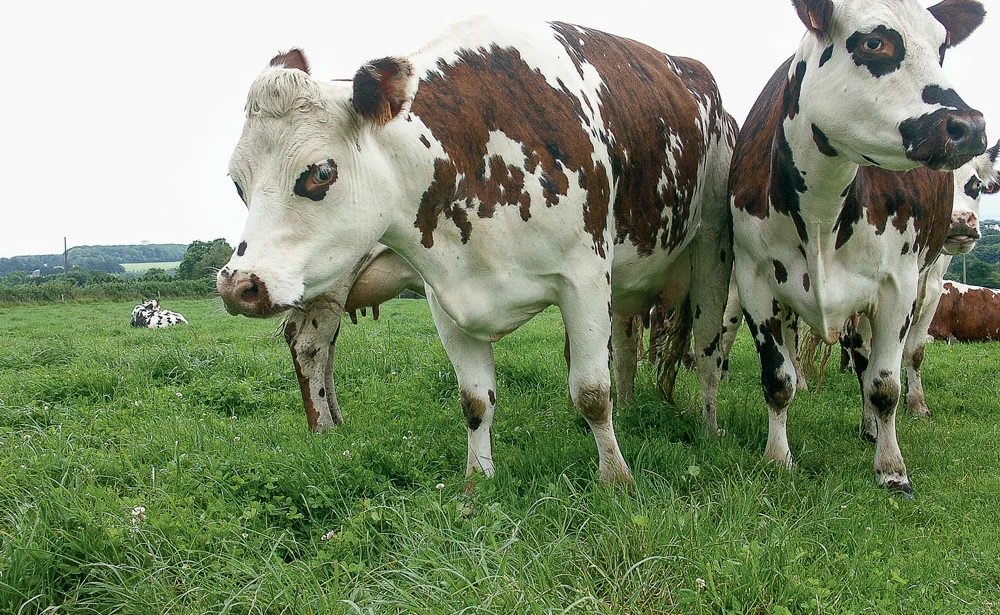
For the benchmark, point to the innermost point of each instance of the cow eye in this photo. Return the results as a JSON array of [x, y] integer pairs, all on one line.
[[322, 173], [239, 191], [316, 180], [873, 44]]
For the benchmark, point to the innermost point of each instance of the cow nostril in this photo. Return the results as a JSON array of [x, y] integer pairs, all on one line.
[[958, 129], [251, 293]]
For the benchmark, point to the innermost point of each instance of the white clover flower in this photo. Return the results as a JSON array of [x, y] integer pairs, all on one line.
[[440, 486], [700, 583], [328, 536], [347, 454]]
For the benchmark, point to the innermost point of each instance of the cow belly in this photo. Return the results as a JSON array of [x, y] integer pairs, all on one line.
[[638, 281], [488, 309]]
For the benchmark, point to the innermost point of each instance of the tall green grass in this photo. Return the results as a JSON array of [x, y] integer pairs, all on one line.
[[170, 471]]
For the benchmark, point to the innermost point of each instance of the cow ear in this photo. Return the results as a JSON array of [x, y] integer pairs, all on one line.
[[817, 15], [380, 88], [992, 185], [293, 58], [959, 17]]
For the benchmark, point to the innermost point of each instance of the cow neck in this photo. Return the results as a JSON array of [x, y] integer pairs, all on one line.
[[826, 179]]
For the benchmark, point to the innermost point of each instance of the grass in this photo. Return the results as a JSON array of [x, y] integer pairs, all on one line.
[[170, 471]]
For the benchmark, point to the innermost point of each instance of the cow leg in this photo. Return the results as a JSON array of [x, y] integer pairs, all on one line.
[[711, 273], [931, 285], [331, 392], [472, 360], [733, 320], [589, 333], [624, 354], [777, 369], [308, 333], [859, 343], [801, 381], [880, 380]]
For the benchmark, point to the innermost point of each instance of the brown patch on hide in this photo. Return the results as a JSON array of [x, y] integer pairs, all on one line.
[[641, 96], [751, 167]]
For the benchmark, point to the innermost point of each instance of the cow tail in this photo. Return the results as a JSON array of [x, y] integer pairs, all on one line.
[[669, 344]]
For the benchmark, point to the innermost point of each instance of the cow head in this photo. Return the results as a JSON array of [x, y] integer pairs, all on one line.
[[313, 178], [868, 77], [979, 176]]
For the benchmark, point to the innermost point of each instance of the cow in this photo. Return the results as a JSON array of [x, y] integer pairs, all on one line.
[[837, 198], [937, 312], [967, 314], [513, 167], [311, 329], [149, 314]]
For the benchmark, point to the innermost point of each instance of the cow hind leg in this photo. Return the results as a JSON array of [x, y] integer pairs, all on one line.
[[856, 341], [711, 273], [590, 381], [624, 352]]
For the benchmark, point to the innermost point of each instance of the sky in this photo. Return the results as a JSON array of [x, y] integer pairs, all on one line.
[[117, 119]]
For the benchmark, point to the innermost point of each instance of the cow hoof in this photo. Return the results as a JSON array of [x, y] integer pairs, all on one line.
[[921, 410], [868, 436], [901, 487]]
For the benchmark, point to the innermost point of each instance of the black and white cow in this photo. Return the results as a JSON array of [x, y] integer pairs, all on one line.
[[513, 167], [828, 222], [149, 314]]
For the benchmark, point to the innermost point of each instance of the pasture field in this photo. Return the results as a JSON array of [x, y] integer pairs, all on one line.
[[144, 267], [170, 471]]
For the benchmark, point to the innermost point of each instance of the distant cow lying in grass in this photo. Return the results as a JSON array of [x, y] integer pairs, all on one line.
[[152, 316]]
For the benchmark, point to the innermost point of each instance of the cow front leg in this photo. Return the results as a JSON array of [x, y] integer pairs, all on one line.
[[472, 360], [311, 333], [881, 386], [768, 328], [588, 328]]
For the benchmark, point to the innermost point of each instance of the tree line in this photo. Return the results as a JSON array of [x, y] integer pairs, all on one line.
[[95, 258], [195, 276]]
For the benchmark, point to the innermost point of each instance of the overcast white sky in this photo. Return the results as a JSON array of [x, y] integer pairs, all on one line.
[[118, 118]]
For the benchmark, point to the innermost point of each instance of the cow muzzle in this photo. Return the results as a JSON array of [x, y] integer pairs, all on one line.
[[945, 139], [245, 294], [963, 234]]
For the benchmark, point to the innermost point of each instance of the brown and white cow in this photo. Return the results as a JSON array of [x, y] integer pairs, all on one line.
[[979, 176], [513, 168], [311, 329], [967, 314], [828, 222]]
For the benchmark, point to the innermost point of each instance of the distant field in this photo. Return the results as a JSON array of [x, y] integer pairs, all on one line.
[[170, 472], [143, 267]]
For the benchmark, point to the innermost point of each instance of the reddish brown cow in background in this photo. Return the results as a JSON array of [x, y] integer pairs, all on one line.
[[967, 314]]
